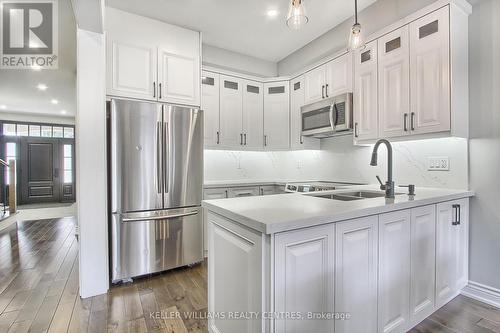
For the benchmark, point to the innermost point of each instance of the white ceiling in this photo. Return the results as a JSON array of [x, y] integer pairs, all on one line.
[[18, 90], [242, 25]]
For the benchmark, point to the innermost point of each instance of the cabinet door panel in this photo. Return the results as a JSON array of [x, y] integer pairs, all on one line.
[[131, 70], [305, 258], [314, 82], [430, 73], [276, 115], [231, 112], [210, 106], [366, 93], [423, 263], [451, 249], [393, 78], [339, 76], [253, 115], [179, 77], [356, 274], [297, 100], [394, 272]]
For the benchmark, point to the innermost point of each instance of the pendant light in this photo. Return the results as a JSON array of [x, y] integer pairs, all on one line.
[[297, 16], [356, 35]]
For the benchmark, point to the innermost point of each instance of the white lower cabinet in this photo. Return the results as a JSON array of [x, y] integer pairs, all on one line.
[[238, 192], [235, 284], [394, 272], [451, 249], [423, 262], [304, 275], [356, 252]]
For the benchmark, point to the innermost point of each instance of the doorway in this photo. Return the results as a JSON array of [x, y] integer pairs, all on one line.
[[45, 161]]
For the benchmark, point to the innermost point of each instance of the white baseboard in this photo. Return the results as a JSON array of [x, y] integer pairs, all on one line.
[[483, 293]]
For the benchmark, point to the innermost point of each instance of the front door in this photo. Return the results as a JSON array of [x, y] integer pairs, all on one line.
[[40, 171]]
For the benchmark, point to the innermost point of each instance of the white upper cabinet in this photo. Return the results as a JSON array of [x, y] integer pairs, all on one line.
[[394, 272], [329, 80], [366, 93], [154, 61], [210, 107], [339, 76], [314, 85], [276, 115], [297, 100], [253, 115], [393, 83], [305, 258], [231, 112], [430, 73]]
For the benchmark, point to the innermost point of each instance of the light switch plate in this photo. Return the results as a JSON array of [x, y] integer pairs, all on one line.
[[438, 163]]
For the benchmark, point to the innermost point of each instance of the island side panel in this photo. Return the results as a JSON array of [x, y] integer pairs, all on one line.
[[238, 268]]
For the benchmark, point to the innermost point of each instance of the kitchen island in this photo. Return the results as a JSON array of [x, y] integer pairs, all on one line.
[[331, 261]]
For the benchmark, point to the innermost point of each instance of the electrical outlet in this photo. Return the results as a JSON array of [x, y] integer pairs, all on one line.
[[438, 163]]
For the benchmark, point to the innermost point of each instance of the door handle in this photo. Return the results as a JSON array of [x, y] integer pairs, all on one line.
[[218, 137], [159, 88], [405, 122], [412, 121], [154, 89], [355, 130], [245, 139], [265, 140], [456, 219], [158, 156], [326, 89], [241, 139], [322, 91], [166, 152]]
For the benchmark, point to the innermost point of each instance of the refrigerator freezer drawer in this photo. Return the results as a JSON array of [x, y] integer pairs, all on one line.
[[149, 242]]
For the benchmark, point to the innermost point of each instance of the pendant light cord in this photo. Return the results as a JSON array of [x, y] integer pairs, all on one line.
[[356, 11]]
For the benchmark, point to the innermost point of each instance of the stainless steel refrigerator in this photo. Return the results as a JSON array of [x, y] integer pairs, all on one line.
[[156, 169]]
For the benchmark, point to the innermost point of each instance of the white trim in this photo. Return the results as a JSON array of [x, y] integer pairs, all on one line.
[[483, 293]]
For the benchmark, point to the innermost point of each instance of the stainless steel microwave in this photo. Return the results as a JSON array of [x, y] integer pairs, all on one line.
[[328, 117]]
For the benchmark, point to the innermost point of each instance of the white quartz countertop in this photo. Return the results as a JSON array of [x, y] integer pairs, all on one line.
[[283, 212]]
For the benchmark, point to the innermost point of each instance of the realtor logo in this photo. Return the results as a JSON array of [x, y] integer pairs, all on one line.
[[29, 34]]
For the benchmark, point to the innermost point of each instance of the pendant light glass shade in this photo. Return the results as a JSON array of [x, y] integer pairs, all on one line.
[[356, 35], [297, 16]]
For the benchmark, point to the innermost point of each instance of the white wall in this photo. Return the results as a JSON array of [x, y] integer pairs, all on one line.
[[339, 160], [225, 59], [91, 177], [484, 72], [373, 18]]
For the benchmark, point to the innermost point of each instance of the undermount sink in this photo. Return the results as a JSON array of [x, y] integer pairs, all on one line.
[[350, 196]]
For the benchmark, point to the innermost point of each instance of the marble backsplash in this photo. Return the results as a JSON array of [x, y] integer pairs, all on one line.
[[340, 160]]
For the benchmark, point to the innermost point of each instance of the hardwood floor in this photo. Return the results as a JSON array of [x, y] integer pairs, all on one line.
[[39, 293]]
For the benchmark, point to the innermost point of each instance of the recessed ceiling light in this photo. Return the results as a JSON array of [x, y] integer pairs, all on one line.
[[36, 68], [54, 101], [63, 112], [272, 13], [3, 107], [42, 87]]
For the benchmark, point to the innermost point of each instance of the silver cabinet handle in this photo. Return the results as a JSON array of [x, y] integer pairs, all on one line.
[[158, 156], [159, 88], [166, 158], [265, 140], [456, 218], [326, 89], [322, 91], [245, 139], [301, 139], [155, 218], [241, 139], [405, 122], [218, 137], [356, 130], [226, 194], [154, 89], [412, 121]]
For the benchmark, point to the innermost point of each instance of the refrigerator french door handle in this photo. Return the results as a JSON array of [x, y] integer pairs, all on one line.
[[158, 156], [166, 157], [156, 218]]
